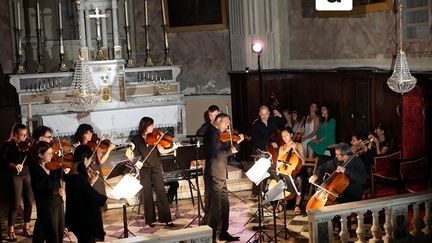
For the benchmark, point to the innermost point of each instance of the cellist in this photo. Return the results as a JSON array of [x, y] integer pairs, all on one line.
[[349, 164], [294, 151]]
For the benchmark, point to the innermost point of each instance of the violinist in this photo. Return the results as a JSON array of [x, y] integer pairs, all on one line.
[[43, 133], [48, 195], [14, 153], [348, 164], [263, 130], [84, 135], [216, 168], [151, 172], [380, 142], [359, 146], [83, 215], [295, 152]]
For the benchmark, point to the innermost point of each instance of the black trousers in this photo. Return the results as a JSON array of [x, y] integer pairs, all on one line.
[[207, 189], [152, 178], [219, 207], [49, 226], [21, 189]]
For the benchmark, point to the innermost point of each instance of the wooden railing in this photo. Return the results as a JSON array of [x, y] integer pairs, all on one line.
[[388, 218]]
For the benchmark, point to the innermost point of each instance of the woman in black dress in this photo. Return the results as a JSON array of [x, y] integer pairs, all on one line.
[[48, 195], [151, 174], [19, 174], [83, 136], [83, 202]]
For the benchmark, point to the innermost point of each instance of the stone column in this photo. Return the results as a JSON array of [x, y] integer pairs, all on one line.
[[104, 35], [117, 47]]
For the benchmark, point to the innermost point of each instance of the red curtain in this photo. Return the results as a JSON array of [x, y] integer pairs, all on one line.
[[413, 125]]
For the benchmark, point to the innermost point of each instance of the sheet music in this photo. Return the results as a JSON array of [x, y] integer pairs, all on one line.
[[275, 193], [127, 188], [258, 171]]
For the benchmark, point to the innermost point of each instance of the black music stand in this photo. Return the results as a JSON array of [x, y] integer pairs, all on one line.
[[200, 203], [122, 168]]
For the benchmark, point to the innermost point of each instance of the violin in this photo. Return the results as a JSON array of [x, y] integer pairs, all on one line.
[[62, 148], [158, 137], [96, 142], [55, 165], [226, 137], [24, 146]]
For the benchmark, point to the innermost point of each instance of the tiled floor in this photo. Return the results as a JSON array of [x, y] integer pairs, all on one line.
[[241, 223]]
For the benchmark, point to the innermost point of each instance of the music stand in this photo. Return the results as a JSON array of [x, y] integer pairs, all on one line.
[[127, 188], [286, 183], [257, 173]]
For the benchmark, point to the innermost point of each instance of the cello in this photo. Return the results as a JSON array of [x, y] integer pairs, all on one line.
[[332, 187]]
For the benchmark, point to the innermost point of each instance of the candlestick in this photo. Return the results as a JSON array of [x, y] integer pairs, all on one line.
[[29, 111], [60, 15], [18, 15], [146, 12], [38, 15], [163, 13], [126, 13]]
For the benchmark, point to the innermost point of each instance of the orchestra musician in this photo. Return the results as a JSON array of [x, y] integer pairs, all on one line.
[[359, 146], [380, 143], [48, 195], [83, 202], [43, 133], [209, 117], [263, 130], [83, 135], [151, 174], [217, 153], [293, 149], [14, 153], [349, 164]]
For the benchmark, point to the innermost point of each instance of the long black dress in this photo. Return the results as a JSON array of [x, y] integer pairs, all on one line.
[[49, 224], [83, 214], [151, 177]]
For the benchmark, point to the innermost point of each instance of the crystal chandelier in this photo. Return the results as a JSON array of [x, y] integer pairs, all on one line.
[[83, 93], [401, 80]]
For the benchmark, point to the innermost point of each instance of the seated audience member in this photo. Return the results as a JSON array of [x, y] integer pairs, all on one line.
[[326, 134]]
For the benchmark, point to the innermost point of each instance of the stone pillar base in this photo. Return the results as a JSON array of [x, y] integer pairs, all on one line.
[[118, 52], [84, 52]]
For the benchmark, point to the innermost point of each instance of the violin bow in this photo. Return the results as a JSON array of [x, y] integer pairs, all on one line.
[[25, 158]]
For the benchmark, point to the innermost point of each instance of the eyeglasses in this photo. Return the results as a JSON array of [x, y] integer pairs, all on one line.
[[49, 137]]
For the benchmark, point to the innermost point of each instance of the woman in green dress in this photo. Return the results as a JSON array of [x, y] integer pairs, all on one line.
[[325, 135]]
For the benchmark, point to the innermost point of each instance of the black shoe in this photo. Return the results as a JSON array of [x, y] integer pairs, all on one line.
[[228, 237], [170, 224]]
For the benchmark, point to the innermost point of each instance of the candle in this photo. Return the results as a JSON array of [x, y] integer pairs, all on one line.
[[29, 111], [38, 15], [60, 15], [146, 13], [126, 13], [18, 15], [163, 12]]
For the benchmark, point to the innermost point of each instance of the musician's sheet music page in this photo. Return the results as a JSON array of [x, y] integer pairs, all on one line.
[[258, 172], [127, 188]]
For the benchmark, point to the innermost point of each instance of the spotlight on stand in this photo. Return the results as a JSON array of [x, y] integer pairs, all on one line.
[[257, 47]]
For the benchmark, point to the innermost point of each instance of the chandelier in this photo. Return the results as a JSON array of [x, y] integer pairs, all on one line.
[[84, 93], [401, 80]]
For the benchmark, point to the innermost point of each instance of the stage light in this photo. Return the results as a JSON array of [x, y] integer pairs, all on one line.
[[257, 46]]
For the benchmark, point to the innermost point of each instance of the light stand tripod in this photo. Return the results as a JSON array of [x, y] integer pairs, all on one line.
[[198, 216]]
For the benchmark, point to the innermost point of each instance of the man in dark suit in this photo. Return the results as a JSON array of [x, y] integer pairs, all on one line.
[[345, 162], [216, 168]]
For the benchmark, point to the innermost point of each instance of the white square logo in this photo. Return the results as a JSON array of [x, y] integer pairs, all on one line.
[[333, 5]]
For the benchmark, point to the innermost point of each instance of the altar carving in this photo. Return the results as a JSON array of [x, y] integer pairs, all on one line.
[[113, 116]]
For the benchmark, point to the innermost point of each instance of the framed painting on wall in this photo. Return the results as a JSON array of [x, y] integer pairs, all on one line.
[[195, 15], [362, 7]]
